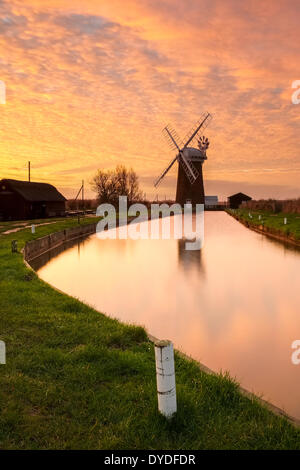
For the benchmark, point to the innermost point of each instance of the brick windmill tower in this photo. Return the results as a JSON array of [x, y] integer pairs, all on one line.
[[190, 186]]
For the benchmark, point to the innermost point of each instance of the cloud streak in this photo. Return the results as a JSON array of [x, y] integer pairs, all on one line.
[[90, 84]]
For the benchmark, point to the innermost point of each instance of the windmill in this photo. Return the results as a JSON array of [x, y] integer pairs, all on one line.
[[190, 178]]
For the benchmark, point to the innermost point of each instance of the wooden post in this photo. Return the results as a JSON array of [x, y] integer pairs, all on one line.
[[14, 246], [165, 378]]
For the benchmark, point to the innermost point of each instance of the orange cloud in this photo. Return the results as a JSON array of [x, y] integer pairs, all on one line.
[[90, 84]]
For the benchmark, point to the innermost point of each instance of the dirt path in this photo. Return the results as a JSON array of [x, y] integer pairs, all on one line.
[[24, 227]]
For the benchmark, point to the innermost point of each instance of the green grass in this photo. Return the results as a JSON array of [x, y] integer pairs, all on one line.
[[76, 379], [275, 222]]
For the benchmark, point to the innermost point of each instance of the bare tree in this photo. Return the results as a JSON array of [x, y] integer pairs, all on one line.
[[110, 184], [134, 192]]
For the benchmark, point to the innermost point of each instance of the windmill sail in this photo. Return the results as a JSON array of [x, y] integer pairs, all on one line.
[[165, 172], [201, 124], [172, 138], [190, 170]]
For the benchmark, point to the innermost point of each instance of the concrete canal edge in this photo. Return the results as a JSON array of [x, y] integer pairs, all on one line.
[[40, 246], [268, 231]]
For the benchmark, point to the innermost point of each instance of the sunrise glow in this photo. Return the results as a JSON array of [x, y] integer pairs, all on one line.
[[90, 84]]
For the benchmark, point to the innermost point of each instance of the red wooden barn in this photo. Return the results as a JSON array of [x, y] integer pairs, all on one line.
[[26, 200]]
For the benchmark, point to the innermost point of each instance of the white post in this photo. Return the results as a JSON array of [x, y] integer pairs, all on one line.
[[32, 228], [165, 377], [2, 353], [285, 221], [259, 217]]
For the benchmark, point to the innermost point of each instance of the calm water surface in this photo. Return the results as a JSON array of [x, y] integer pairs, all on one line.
[[234, 306]]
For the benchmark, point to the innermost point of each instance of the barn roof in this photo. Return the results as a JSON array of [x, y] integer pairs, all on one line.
[[34, 191], [240, 195]]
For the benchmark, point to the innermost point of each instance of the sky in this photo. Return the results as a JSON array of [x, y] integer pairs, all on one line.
[[91, 83]]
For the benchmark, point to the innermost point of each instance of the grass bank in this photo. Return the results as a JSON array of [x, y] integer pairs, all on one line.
[[270, 223], [76, 379]]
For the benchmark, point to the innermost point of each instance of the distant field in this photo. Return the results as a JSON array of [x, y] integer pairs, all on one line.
[[288, 206], [273, 221], [77, 379]]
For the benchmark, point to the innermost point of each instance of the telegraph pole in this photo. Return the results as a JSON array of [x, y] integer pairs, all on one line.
[[81, 190], [82, 193], [29, 172]]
